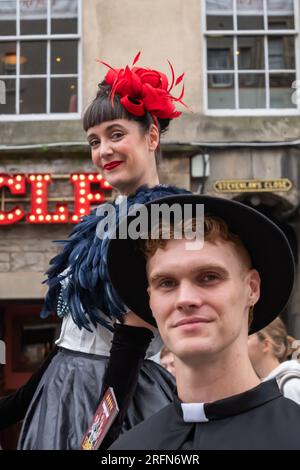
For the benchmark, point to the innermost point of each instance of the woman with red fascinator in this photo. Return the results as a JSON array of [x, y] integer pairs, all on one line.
[[102, 343]]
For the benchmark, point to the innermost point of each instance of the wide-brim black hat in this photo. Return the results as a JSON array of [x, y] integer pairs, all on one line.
[[267, 245]]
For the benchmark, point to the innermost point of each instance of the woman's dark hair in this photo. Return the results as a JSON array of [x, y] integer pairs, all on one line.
[[101, 109]]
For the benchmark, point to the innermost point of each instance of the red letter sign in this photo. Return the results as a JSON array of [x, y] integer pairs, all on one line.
[[16, 185], [83, 197], [39, 213]]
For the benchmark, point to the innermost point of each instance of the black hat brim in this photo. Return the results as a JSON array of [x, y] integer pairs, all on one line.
[[268, 247]]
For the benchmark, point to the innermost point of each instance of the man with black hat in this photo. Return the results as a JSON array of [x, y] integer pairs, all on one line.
[[204, 300]]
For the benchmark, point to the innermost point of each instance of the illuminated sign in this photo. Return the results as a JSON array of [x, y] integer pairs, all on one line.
[[39, 183], [252, 186]]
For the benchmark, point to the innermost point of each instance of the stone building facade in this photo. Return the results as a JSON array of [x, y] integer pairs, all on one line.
[[212, 143]]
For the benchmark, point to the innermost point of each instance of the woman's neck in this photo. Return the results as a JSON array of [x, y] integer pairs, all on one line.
[[132, 189]]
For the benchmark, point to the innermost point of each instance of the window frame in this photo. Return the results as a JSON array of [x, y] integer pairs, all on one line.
[[295, 111], [48, 116]]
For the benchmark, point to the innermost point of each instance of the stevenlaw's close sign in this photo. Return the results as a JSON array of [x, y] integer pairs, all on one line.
[[252, 186]]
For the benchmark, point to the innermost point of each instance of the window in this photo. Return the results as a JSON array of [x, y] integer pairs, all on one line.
[[39, 58], [250, 56]]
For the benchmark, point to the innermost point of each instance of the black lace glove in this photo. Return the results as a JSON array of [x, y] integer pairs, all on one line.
[[129, 346], [13, 407]]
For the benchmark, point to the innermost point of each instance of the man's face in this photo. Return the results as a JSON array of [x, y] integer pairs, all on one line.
[[201, 298]]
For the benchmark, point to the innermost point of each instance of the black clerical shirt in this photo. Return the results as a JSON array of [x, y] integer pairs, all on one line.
[[258, 419]]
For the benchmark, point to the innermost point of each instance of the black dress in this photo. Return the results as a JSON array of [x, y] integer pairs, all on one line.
[[259, 419], [68, 394]]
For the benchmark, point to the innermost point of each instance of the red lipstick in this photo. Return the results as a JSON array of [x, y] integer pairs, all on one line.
[[111, 165]]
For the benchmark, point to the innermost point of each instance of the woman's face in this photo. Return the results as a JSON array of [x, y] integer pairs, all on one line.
[[123, 154], [167, 361]]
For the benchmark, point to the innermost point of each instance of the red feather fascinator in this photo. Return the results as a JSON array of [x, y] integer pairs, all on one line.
[[145, 90]]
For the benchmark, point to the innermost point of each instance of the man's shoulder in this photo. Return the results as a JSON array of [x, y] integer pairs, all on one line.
[[285, 402], [147, 434], [284, 414], [289, 401]]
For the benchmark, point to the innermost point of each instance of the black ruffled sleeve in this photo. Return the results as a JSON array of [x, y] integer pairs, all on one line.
[[129, 346]]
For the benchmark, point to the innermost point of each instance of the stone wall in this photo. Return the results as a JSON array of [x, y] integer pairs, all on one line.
[[115, 31]]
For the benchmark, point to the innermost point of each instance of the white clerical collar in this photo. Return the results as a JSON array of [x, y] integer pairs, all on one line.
[[193, 413]]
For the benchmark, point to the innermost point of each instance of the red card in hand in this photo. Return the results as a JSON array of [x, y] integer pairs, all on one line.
[[102, 421]]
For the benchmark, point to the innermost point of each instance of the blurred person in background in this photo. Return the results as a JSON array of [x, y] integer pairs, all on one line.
[[269, 352], [167, 360]]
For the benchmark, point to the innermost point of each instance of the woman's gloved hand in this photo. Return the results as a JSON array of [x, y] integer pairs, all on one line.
[[129, 346]]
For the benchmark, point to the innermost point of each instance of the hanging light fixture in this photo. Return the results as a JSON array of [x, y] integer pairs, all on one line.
[[10, 58]]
